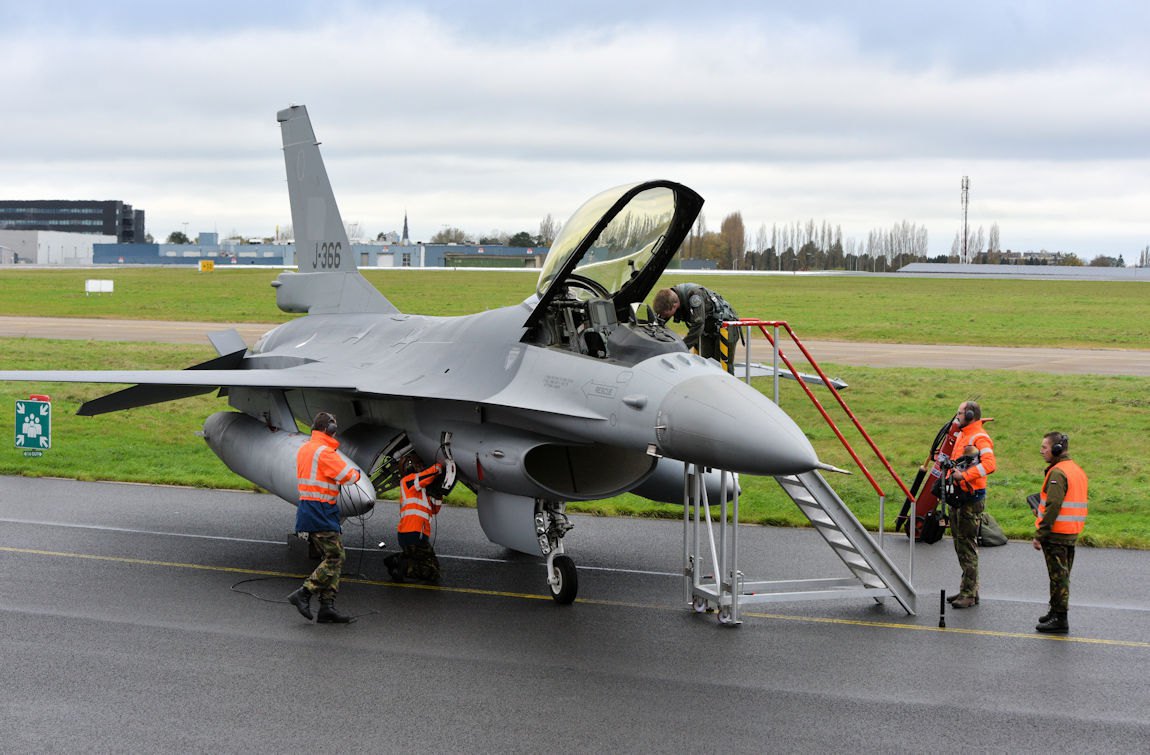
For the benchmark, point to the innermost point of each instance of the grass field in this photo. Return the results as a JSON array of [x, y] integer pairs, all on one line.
[[903, 408], [1084, 314]]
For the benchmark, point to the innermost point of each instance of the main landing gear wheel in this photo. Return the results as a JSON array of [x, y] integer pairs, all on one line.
[[564, 580]]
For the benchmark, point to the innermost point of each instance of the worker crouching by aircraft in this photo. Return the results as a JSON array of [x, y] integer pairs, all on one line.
[[321, 471], [420, 500], [704, 312]]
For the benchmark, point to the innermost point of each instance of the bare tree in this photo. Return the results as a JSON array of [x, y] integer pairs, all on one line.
[[761, 242], [548, 230], [695, 240]]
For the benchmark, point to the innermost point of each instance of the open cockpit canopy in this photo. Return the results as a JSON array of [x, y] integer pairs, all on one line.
[[617, 245]]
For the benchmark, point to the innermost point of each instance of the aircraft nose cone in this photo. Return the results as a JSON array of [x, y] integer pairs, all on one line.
[[721, 422]]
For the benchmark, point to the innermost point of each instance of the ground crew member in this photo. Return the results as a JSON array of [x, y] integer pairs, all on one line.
[[320, 472], [966, 508], [704, 312], [1060, 520], [417, 507]]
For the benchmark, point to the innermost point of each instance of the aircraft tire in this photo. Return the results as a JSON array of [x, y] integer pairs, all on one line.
[[567, 586]]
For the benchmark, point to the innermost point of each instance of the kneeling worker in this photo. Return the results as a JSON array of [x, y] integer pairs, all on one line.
[[417, 507], [320, 472], [704, 312]]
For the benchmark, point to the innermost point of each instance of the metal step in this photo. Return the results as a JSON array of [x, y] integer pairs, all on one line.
[[849, 540]]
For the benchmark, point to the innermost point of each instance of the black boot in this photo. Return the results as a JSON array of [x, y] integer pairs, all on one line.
[[396, 567], [301, 599], [328, 614], [1056, 624], [1046, 617]]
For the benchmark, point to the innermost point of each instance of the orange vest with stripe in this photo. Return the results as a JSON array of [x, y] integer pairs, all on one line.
[[320, 470], [1072, 516], [974, 477], [416, 507]]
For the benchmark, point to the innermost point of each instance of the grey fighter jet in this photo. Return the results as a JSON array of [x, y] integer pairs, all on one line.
[[568, 396]]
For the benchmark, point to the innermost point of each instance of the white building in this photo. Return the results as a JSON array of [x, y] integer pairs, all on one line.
[[49, 247]]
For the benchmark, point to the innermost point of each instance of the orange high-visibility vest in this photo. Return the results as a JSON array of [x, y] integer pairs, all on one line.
[[1072, 516], [416, 507], [320, 470], [973, 435]]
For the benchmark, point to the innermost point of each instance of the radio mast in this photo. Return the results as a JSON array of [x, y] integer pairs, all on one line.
[[965, 203]]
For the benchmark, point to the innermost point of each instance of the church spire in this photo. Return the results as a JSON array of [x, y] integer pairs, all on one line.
[[406, 240]]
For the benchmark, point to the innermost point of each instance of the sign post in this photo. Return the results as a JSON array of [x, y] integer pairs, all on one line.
[[34, 425]]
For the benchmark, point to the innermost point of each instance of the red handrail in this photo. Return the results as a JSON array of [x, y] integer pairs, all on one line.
[[763, 325]]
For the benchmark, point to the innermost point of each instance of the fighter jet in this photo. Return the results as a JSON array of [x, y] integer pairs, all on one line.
[[571, 395]]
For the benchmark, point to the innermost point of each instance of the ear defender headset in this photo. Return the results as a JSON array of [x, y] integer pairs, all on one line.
[[973, 411], [325, 422], [1061, 443]]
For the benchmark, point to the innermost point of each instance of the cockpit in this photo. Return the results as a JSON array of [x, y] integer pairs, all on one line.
[[602, 266]]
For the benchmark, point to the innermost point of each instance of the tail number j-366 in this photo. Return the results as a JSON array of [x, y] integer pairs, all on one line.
[[327, 254]]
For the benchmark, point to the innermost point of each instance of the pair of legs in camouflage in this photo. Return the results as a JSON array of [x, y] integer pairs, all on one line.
[[416, 561], [1059, 562], [964, 523], [324, 581]]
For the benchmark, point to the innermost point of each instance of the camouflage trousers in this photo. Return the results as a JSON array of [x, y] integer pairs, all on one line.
[[325, 579], [417, 561], [1059, 562], [422, 562], [964, 523]]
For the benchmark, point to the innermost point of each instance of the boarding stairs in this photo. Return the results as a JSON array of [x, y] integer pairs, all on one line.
[[713, 578]]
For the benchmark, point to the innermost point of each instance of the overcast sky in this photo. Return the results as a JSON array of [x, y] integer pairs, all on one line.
[[491, 115]]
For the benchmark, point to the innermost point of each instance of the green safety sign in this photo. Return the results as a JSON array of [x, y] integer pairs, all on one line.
[[33, 424]]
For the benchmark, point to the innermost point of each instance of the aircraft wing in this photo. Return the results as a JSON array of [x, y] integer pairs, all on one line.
[[157, 386]]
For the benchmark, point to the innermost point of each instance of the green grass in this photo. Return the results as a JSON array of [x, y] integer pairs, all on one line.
[[903, 408], [1083, 314], [1106, 418]]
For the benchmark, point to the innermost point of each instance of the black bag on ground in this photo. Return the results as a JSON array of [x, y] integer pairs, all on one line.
[[990, 533]]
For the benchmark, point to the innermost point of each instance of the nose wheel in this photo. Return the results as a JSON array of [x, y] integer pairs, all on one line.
[[551, 524], [563, 579]]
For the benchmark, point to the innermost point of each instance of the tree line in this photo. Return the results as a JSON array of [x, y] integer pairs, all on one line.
[[805, 245], [548, 230]]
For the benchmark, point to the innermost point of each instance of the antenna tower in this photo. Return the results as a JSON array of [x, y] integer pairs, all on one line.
[[965, 204]]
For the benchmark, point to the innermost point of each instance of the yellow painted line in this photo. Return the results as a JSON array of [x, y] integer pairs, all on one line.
[[265, 573], [589, 601], [951, 630]]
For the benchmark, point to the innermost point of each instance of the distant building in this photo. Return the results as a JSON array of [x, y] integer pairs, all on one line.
[[48, 247], [105, 218]]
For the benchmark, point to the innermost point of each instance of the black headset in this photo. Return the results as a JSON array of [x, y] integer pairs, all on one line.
[[970, 414], [325, 422], [1061, 443]]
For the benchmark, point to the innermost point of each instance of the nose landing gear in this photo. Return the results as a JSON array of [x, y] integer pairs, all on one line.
[[551, 524]]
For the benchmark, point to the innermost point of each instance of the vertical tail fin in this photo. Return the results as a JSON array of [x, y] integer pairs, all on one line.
[[320, 239], [321, 243]]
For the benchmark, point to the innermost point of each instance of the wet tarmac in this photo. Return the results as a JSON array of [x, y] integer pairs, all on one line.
[[152, 619]]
